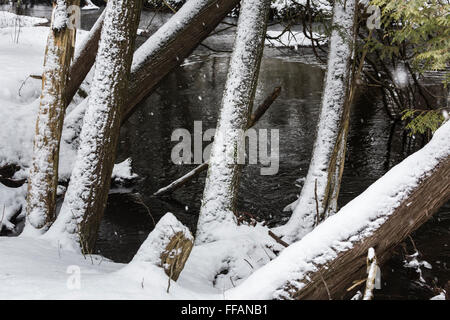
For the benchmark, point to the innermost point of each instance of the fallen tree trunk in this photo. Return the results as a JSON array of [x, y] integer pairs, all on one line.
[[163, 52], [259, 112], [334, 253]]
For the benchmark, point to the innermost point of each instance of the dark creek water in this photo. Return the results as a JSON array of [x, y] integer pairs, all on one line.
[[193, 93]]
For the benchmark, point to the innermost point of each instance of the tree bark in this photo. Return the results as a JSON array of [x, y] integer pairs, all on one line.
[[43, 179], [319, 195], [222, 181], [333, 255], [78, 222]]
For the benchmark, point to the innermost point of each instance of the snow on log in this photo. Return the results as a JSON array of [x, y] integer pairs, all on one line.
[[318, 197], [43, 178], [167, 246], [223, 174], [334, 253], [85, 200]]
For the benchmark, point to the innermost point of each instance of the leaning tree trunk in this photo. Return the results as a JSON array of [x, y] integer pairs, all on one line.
[[318, 198], [43, 179], [223, 173], [326, 261], [162, 53], [87, 193]]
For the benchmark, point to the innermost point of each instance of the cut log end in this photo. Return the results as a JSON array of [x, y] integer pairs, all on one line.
[[176, 254]]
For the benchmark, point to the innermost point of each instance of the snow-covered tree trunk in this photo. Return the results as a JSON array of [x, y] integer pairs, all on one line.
[[326, 261], [85, 200], [223, 173], [43, 178], [319, 195]]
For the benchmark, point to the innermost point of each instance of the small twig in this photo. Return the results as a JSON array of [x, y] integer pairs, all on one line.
[[278, 239]]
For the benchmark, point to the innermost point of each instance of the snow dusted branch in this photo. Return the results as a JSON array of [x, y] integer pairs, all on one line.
[[372, 269], [321, 188], [381, 217], [223, 174], [86, 196]]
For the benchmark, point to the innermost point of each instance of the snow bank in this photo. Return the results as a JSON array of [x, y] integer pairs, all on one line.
[[358, 219], [19, 103], [123, 171]]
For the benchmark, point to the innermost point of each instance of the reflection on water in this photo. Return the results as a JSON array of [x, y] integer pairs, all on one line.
[[193, 93]]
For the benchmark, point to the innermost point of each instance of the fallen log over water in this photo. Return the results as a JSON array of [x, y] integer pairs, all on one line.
[[327, 260]]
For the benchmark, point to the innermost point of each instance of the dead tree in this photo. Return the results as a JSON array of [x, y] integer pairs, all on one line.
[[43, 179], [86, 196], [319, 195], [222, 181], [326, 261]]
